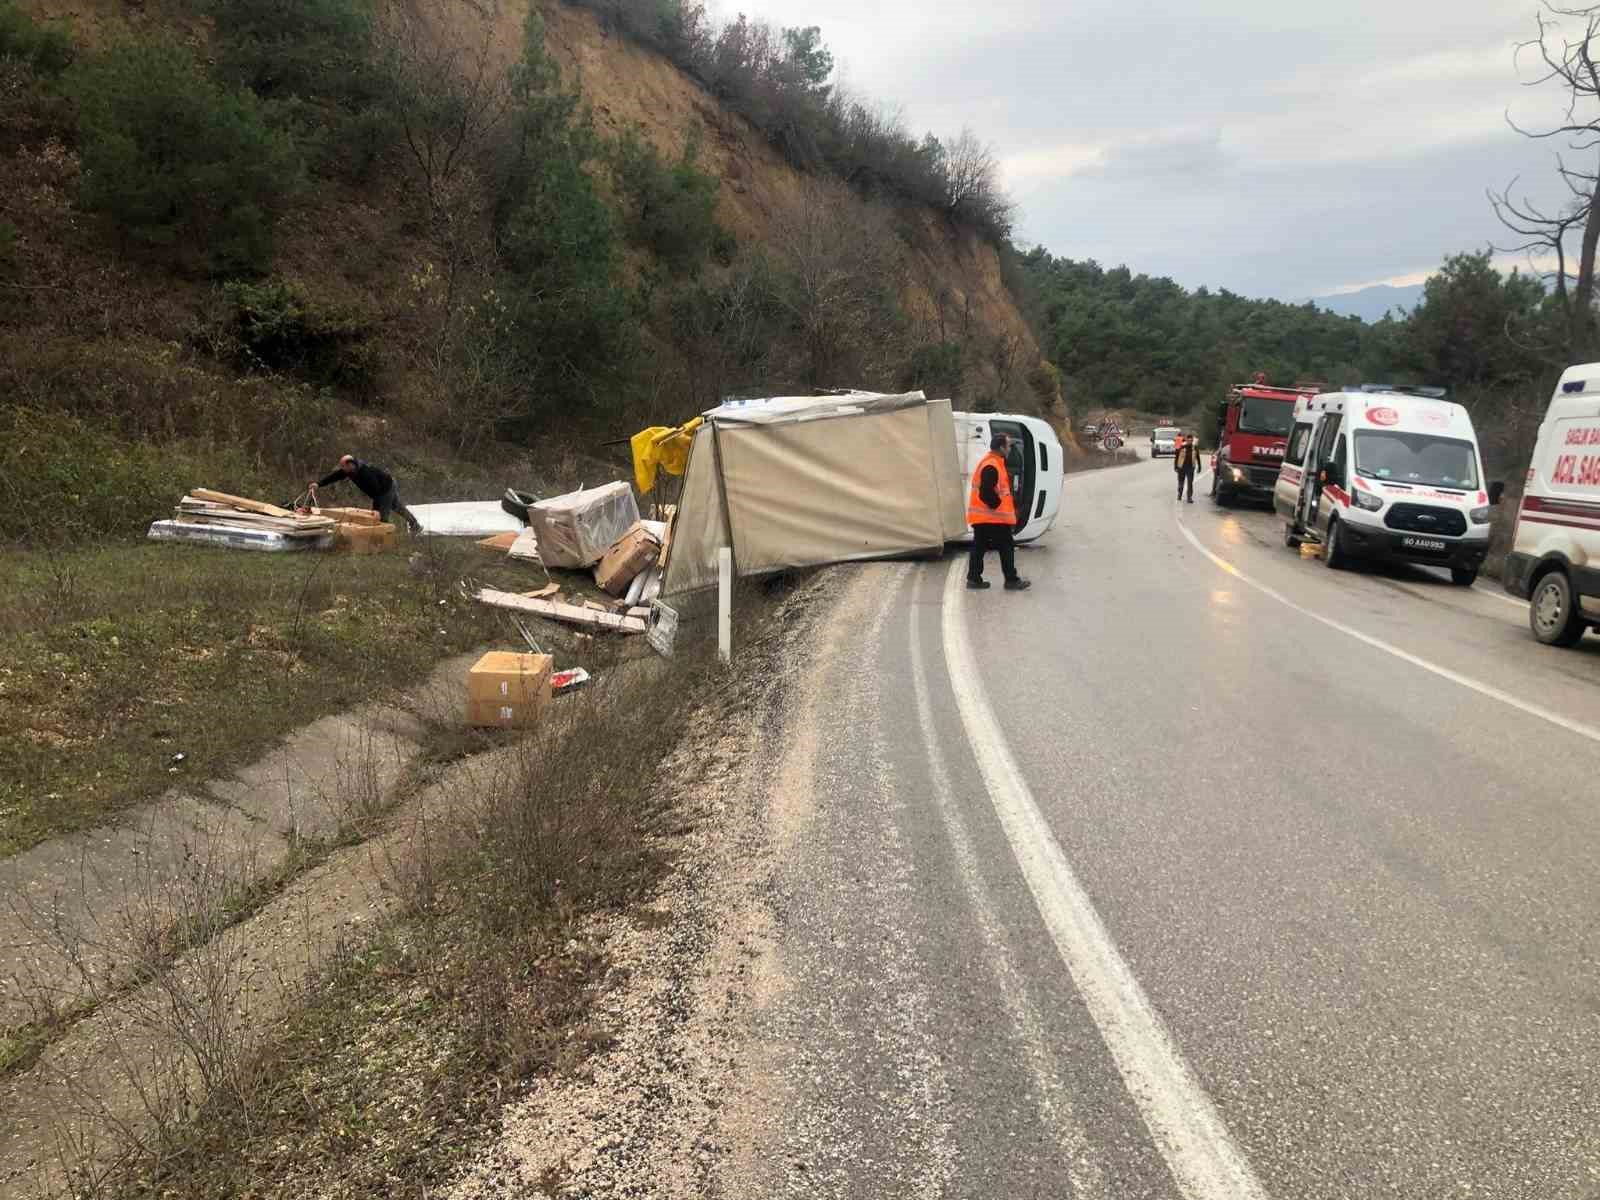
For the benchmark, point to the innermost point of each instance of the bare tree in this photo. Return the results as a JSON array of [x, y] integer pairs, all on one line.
[[1568, 60], [972, 181], [843, 273]]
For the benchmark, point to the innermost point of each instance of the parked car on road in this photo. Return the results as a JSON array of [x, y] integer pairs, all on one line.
[[1555, 547]]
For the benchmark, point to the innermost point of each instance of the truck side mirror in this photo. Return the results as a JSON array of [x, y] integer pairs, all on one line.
[[1497, 489]]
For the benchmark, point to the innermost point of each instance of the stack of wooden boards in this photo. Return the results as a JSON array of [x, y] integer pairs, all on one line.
[[629, 570], [214, 518]]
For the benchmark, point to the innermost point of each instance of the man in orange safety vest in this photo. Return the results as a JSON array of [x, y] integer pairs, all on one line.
[[992, 513]]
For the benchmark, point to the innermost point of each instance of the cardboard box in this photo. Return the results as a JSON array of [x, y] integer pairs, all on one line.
[[574, 530], [363, 539], [630, 554], [508, 691], [350, 516]]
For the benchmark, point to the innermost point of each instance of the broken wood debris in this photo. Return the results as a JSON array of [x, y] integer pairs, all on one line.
[[570, 614], [205, 507]]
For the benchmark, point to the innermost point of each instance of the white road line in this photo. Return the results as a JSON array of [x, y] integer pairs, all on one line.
[[1204, 1160], [1044, 1065], [1520, 605], [1466, 681]]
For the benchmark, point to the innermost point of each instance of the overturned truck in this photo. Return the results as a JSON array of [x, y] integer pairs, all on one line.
[[801, 481]]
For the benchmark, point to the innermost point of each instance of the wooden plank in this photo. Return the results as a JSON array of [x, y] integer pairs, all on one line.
[[544, 593], [500, 541], [244, 502], [252, 521], [567, 613], [666, 542]]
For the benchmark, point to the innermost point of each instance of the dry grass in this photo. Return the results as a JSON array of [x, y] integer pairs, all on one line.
[[392, 1069], [119, 659]]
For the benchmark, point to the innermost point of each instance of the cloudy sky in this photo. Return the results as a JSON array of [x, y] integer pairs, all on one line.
[[1273, 147]]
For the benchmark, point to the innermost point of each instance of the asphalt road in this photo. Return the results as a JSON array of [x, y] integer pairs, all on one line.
[[1182, 876]]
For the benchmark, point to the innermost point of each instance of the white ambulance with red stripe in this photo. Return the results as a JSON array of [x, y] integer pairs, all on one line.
[[1555, 550], [1381, 474]]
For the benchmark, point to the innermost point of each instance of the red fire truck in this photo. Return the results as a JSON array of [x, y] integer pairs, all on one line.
[[1253, 424]]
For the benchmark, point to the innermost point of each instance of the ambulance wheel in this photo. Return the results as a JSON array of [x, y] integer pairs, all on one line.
[[1554, 615], [1289, 538], [1333, 549], [1463, 576]]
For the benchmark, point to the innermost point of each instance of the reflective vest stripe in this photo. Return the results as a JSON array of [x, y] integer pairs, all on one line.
[[979, 513]]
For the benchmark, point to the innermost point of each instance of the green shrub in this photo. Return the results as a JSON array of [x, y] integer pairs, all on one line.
[[305, 48], [670, 207], [175, 159], [46, 49], [66, 478], [280, 328]]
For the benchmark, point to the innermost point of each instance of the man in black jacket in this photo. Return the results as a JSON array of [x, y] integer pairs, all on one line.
[[377, 483]]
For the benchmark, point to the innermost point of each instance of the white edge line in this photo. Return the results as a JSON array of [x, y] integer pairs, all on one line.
[[1204, 1160], [1043, 1063], [1502, 597], [1466, 681]]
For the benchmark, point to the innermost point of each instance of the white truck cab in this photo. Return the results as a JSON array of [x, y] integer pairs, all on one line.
[[1555, 549], [1037, 466], [1386, 475]]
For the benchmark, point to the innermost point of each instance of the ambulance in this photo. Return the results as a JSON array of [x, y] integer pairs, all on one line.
[[1386, 475], [1555, 547]]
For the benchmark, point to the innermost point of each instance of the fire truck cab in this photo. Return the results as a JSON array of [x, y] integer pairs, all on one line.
[[1253, 424]]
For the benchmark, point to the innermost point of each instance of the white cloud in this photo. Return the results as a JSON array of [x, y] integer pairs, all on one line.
[[1286, 149]]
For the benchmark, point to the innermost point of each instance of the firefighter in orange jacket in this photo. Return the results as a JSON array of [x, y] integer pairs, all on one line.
[[993, 516]]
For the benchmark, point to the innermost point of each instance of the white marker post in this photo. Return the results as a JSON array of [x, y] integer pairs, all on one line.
[[725, 605]]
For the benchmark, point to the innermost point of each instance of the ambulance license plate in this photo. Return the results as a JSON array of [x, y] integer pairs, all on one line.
[[1432, 545]]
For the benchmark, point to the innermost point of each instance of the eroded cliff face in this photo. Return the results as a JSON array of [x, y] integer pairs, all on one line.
[[954, 276], [357, 245]]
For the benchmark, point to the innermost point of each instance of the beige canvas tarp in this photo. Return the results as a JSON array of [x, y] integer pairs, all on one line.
[[803, 481]]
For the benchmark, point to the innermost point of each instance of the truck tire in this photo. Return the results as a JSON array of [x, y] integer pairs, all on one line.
[[1463, 576], [1290, 538], [1333, 554], [1553, 612]]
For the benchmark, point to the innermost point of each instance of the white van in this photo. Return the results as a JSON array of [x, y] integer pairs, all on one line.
[[1386, 476], [1555, 548], [1036, 462]]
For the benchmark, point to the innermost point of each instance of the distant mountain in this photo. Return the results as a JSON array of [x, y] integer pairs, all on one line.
[[1371, 303]]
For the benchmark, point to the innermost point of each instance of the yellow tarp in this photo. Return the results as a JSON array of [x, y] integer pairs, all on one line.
[[661, 448]]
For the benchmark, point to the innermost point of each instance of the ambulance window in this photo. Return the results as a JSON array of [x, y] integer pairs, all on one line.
[[1296, 453], [1330, 433], [1336, 471], [1044, 458]]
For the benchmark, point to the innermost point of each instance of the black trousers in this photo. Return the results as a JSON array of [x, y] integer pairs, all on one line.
[[389, 503], [997, 538], [1186, 477]]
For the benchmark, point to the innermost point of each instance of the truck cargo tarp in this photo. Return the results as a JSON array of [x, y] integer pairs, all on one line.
[[803, 481]]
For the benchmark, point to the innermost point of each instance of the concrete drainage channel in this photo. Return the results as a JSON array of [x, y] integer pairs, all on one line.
[[137, 959]]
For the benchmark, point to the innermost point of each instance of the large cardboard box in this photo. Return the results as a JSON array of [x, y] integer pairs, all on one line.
[[508, 691], [630, 554], [575, 530], [363, 539]]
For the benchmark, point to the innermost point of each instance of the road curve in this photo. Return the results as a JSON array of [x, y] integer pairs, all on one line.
[[1200, 870]]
